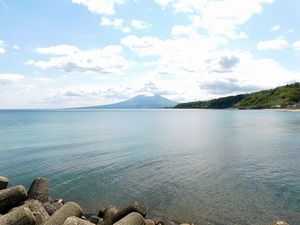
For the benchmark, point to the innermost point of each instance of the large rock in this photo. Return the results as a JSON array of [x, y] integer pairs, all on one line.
[[3, 182], [12, 197], [61, 215], [73, 220], [20, 216], [39, 190], [131, 219]]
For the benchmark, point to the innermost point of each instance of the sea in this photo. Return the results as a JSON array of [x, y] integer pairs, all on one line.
[[217, 167]]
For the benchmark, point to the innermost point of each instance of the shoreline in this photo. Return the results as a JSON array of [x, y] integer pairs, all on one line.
[[283, 110], [36, 207]]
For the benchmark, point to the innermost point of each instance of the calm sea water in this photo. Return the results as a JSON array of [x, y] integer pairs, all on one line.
[[207, 166]]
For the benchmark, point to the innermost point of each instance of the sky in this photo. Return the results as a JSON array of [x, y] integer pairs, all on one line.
[[70, 53]]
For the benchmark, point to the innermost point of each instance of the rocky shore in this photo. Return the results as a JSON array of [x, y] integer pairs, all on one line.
[[35, 207]]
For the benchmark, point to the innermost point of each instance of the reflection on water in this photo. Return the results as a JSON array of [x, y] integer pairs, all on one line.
[[218, 166]]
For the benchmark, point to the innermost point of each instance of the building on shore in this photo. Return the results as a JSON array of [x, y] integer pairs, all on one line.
[[276, 106]]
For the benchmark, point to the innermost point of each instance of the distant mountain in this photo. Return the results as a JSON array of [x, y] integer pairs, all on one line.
[[280, 97], [139, 102]]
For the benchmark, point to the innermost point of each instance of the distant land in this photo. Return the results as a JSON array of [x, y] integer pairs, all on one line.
[[139, 102], [287, 96]]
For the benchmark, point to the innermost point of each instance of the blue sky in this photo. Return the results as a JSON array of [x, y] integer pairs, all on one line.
[[67, 53]]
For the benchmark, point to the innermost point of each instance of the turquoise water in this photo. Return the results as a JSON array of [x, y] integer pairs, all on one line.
[[207, 166]]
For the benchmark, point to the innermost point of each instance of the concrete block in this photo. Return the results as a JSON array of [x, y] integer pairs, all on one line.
[[39, 190], [131, 219], [61, 215], [3, 182], [20, 216], [12, 197]]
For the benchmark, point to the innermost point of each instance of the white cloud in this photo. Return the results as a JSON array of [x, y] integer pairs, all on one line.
[[195, 58], [143, 46], [107, 60], [225, 86], [2, 49], [58, 50], [181, 56], [6, 79], [100, 6], [16, 47], [179, 30], [126, 30], [296, 45], [188, 65], [43, 79], [73, 95], [218, 17], [276, 44], [25, 91], [117, 24], [275, 28], [79, 96], [27, 88], [138, 24]]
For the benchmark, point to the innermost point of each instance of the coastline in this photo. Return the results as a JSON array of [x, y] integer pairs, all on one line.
[[283, 110], [36, 207]]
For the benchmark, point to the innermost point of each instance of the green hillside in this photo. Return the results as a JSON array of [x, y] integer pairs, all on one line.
[[283, 96], [219, 103]]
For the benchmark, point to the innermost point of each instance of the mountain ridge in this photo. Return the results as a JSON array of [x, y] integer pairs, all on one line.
[[280, 97], [138, 102]]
